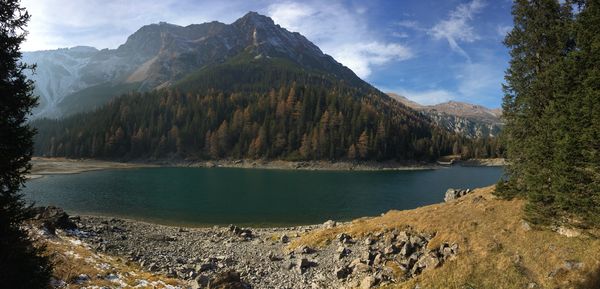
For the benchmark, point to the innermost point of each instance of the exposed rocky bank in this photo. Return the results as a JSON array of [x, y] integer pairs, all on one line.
[[261, 257]]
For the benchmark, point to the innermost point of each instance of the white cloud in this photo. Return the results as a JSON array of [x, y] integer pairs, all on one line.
[[476, 80], [427, 97], [107, 23], [338, 29], [457, 27], [502, 30], [340, 32], [400, 34], [408, 24]]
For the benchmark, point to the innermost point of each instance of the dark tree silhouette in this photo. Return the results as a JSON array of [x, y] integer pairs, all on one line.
[[21, 265]]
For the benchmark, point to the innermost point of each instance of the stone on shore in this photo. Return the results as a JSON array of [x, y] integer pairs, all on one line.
[[453, 194]]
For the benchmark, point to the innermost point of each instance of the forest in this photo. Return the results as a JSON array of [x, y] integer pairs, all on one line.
[[294, 122]]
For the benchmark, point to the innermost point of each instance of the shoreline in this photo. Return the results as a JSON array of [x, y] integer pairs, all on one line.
[[42, 166], [63, 166], [193, 225]]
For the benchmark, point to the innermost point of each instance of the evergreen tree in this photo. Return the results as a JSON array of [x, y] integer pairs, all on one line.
[[581, 184], [550, 107], [21, 265]]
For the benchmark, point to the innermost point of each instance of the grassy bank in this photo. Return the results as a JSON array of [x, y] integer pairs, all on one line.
[[497, 249]]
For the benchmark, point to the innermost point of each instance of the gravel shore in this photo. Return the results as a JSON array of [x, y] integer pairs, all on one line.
[[263, 257]]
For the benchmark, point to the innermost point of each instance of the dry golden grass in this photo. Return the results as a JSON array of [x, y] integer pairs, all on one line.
[[495, 250]]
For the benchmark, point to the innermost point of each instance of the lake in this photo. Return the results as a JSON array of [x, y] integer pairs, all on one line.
[[259, 197]]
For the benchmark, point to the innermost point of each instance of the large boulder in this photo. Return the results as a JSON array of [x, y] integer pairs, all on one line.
[[453, 194], [51, 218], [228, 280]]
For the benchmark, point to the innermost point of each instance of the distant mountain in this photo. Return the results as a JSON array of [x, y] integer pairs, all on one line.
[[250, 89], [160, 55], [470, 120]]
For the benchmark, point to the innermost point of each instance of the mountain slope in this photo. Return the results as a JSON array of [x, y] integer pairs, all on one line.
[[470, 120], [492, 237], [250, 89], [159, 55]]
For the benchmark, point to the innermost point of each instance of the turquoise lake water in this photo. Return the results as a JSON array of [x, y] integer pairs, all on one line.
[[210, 196]]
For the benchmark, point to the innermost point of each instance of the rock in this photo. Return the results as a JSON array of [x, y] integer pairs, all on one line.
[[454, 248], [343, 252], [345, 239], [429, 261], [402, 237], [412, 260], [227, 280], [240, 232], [369, 241], [418, 241], [568, 232], [379, 259], [305, 250], [329, 224], [407, 249], [478, 199], [284, 238], [572, 265], [302, 265], [453, 194], [82, 278], [342, 272], [52, 218], [205, 267], [368, 257], [525, 226], [153, 267], [391, 249], [358, 266], [273, 257], [368, 282]]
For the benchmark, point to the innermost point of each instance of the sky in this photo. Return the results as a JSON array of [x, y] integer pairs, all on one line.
[[429, 51]]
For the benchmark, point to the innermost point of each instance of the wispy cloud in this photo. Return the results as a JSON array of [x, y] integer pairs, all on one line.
[[475, 80], [458, 26], [338, 28], [339, 31], [107, 23], [408, 24], [502, 30], [426, 97]]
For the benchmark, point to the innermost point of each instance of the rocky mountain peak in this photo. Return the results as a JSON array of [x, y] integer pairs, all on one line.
[[254, 19], [160, 54], [471, 120]]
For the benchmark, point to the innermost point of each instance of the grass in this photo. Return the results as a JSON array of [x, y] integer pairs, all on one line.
[[72, 259], [495, 249]]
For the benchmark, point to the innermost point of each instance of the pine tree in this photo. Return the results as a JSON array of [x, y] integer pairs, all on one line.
[[551, 108], [584, 133], [535, 48], [352, 152], [363, 145], [21, 265]]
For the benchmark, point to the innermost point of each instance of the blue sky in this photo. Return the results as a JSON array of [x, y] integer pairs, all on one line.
[[429, 51]]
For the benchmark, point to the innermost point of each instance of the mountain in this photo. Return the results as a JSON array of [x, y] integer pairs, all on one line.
[[250, 89], [160, 55], [471, 120]]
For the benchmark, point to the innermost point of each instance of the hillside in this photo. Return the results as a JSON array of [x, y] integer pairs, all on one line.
[[251, 90], [291, 122], [471, 120], [491, 237], [159, 55]]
